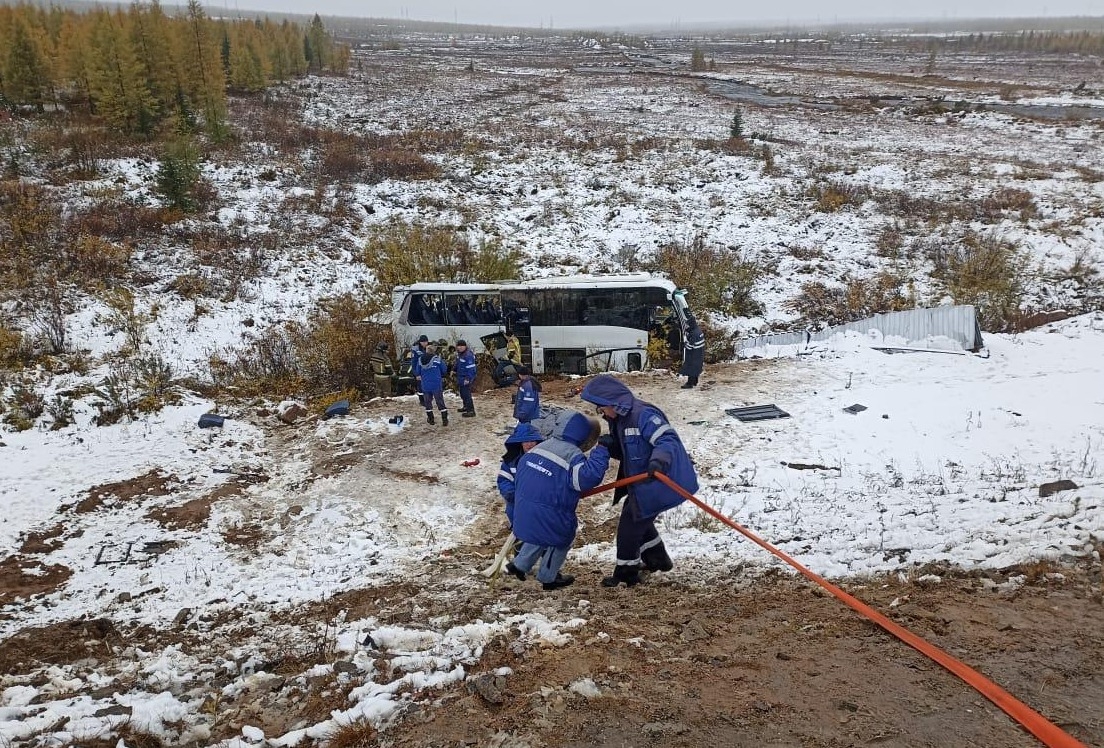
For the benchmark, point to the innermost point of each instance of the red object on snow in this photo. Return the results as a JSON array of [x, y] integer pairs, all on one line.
[[470, 463]]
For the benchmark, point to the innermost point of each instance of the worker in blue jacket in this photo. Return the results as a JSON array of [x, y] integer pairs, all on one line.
[[550, 479], [524, 437], [417, 350], [645, 442], [466, 370], [432, 372], [527, 399]]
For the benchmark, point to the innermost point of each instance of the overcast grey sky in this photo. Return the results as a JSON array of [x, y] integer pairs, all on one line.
[[607, 13]]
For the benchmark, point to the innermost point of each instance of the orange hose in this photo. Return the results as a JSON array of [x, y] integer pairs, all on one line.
[[1046, 731]]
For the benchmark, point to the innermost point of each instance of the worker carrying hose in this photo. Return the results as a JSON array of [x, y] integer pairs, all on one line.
[[645, 442]]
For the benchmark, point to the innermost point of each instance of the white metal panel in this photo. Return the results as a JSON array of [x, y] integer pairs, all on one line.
[[922, 328]]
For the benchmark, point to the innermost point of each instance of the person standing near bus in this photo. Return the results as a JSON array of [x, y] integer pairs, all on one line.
[[693, 356], [383, 371], [527, 399], [418, 349], [466, 370], [433, 384], [645, 443]]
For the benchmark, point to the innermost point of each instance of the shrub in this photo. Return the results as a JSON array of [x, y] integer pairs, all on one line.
[[122, 220], [342, 159], [48, 313], [25, 404], [856, 299], [30, 224], [124, 317], [179, 179], [718, 343], [1007, 199], [328, 353], [97, 260], [393, 163], [719, 278], [987, 271], [332, 349], [60, 409], [191, 285], [831, 196], [402, 253], [359, 734], [13, 348]]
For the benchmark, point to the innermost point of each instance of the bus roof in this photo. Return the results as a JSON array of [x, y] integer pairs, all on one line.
[[628, 280]]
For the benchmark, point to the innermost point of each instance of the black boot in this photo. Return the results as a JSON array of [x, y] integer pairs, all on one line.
[[444, 417], [630, 575], [561, 580], [656, 559], [429, 417], [468, 413], [515, 571]]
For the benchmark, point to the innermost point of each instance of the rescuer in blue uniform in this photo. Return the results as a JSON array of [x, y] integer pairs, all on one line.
[[550, 479], [466, 370], [524, 437], [645, 442], [527, 399], [432, 371]]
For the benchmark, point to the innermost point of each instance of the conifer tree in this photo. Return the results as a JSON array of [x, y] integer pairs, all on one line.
[[150, 36], [74, 63], [117, 79], [205, 78], [24, 68]]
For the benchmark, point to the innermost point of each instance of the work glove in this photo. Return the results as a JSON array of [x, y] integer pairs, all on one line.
[[656, 466], [608, 441]]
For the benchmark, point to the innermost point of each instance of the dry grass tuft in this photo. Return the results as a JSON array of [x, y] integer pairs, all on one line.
[[358, 734], [833, 196]]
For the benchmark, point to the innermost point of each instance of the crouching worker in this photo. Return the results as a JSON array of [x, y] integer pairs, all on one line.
[[550, 479], [642, 439], [522, 440]]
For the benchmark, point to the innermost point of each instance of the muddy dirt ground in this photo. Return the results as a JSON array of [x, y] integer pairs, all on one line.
[[744, 657]]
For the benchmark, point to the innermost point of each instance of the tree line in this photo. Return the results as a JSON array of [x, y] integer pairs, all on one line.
[[1053, 42], [137, 67]]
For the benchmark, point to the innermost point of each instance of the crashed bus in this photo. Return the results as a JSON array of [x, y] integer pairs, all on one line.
[[571, 325]]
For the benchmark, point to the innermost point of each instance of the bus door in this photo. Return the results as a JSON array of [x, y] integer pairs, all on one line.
[[518, 321], [682, 311]]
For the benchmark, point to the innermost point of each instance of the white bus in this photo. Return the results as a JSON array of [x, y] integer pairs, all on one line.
[[573, 325]]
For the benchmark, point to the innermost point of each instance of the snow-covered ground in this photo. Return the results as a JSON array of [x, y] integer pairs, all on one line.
[[944, 465]]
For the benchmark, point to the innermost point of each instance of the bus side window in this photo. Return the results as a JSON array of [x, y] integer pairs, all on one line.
[[424, 310]]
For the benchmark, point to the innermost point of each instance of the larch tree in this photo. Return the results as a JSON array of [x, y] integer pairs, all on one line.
[[25, 70], [118, 81], [203, 63]]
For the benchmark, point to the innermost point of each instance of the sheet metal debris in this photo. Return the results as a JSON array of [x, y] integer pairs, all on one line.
[[757, 412]]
